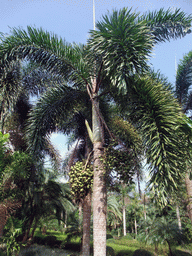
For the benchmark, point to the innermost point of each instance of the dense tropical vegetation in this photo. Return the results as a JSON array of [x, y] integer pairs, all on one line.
[[135, 115]]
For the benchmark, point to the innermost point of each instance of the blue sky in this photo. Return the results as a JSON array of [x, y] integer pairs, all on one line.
[[72, 20]]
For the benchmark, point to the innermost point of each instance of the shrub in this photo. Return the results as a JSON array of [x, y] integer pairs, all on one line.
[[124, 253], [142, 252], [110, 251], [76, 247], [39, 240], [50, 240], [109, 236], [2, 253], [180, 253]]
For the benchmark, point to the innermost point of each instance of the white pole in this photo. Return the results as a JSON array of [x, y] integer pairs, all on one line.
[[93, 14]]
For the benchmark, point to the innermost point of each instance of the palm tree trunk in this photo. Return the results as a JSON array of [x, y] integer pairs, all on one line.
[[178, 217], [135, 226], [34, 228], [99, 187], [170, 251], [3, 218], [26, 236], [80, 216], [144, 209], [124, 221], [86, 225], [188, 183], [65, 224], [99, 203]]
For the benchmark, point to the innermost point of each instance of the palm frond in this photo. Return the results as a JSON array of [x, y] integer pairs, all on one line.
[[123, 43], [127, 133], [160, 78], [159, 118], [167, 24], [36, 79], [113, 206], [184, 80], [47, 50], [56, 106], [10, 89], [53, 153]]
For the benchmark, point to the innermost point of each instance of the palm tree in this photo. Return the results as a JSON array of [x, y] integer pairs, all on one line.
[[80, 171], [14, 176], [117, 51], [16, 86], [183, 82], [184, 96], [163, 230], [114, 216], [46, 198], [57, 110], [124, 190]]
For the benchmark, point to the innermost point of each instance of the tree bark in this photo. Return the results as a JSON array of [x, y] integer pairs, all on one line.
[[99, 186], [188, 183], [3, 218], [99, 203], [80, 216], [86, 225]]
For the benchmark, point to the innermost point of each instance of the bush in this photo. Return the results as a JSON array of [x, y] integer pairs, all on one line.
[[124, 253], [129, 236], [180, 253], [2, 253], [109, 236], [110, 251], [76, 247], [39, 240], [142, 252], [50, 240]]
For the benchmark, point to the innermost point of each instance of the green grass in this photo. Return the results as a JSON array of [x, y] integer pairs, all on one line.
[[59, 235], [123, 246], [128, 246]]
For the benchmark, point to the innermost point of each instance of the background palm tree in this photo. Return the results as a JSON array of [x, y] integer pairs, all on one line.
[[114, 215], [184, 96], [17, 85], [117, 51], [183, 83]]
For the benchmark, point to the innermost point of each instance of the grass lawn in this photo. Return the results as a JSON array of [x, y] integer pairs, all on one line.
[[128, 246], [125, 245]]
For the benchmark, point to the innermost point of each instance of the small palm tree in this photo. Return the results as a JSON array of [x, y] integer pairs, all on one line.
[[163, 230], [14, 175], [114, 215]]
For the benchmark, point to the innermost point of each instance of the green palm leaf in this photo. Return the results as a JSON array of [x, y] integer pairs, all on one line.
[[167, 24], [52, 110], [47, 50], [184, 81], [124, 44], [159, 119]]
